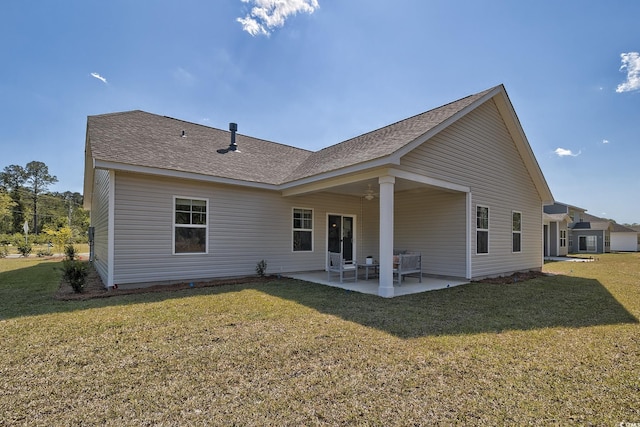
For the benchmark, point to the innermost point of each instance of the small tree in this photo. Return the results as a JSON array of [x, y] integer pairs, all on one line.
[[60, 238]]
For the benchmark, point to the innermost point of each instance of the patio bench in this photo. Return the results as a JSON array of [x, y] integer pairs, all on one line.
[[405, 264]]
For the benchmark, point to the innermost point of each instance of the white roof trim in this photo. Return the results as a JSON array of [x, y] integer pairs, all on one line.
[[101, 164], [433, 182]]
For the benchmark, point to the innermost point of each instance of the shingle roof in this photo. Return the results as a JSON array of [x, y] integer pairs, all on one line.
[[593, 222], [143, 139], [149, 140]]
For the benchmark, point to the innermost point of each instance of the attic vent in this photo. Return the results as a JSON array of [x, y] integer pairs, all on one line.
[[233, 147], [233, 127]]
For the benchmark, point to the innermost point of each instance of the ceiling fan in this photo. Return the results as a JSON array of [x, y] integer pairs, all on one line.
[[369, 194]]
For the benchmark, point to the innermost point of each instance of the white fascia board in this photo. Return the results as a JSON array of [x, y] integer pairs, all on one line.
[[101, 164], [433, 182], [347, 175]]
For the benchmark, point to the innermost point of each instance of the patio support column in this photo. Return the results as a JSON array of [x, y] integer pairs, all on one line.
[[385, 288]]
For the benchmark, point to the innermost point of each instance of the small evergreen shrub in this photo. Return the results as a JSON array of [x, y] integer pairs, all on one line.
[[261, 268], [70, 252], [4, 251], [75, 273], [24, 249]]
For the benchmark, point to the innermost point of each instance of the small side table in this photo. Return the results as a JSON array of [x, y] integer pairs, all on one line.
[[367, 267]]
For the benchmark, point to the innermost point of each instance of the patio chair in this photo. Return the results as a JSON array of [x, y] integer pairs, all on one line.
[[338, 266]]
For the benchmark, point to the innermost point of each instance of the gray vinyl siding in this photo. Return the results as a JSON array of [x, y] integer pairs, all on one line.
[[244, 227], [100, 220], [433, 223], [478, 152], [600, 237]]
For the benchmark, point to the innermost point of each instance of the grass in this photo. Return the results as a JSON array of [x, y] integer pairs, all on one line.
[[558, 350]]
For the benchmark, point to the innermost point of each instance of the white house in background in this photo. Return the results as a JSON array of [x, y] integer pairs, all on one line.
[[173, 201], [623, 239]]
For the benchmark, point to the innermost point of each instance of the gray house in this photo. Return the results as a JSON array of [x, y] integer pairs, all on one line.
[[571, 230], [173, 201], [559, 219]]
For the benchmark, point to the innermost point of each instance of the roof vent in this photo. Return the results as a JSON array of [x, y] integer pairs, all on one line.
[[184, 133], [233, 127]]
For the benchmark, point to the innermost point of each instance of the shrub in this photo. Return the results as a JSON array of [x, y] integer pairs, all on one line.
[[261, 268], [4, 251], [75, 273], [70, 252], [44, 252], [24, 249]]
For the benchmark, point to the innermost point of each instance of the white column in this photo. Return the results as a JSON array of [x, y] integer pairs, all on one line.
[[385, 288]]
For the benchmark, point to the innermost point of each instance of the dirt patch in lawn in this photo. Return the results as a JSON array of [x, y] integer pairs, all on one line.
[[514, 278], [94, 288]]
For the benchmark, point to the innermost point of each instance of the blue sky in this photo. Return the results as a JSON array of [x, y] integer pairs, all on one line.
[[311, 73]]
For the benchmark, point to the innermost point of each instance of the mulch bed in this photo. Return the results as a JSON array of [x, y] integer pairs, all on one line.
[[514, 278], [94, 288]]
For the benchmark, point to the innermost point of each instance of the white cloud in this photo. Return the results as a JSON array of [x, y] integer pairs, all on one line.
[[563, 152], [605, 141], [630, 63], [99, 77], [184, 77], [266, 15]]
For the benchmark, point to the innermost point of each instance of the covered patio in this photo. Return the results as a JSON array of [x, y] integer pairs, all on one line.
[[410, 285], [397, 210]]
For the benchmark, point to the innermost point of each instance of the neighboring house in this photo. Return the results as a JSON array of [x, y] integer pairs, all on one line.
[[624, 239], [636, 228], [557, 231], [591, 234], [173, 201]]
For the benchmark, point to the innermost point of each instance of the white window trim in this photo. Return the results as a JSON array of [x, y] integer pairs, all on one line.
[[514, 232], [173, 227], [483, 229], [293, 230]]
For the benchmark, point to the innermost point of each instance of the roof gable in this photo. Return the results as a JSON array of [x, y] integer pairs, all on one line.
[[379, 143]]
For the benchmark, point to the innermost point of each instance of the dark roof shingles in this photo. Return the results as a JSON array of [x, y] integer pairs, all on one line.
[[143, 139]]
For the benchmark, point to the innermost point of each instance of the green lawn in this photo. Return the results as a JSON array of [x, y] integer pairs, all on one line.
[[558, 350]]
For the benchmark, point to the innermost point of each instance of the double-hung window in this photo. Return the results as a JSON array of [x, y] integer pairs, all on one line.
[[190, 225], [563, 238], [482, 230], [302, 230], [516, 231]]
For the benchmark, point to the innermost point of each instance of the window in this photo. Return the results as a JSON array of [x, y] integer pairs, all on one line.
[[587, 243], [302, 230], [190, 226], [516, 230], [482, 230], [563, 238]]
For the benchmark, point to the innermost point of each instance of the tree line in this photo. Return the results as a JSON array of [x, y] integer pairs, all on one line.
[[25, 197]]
